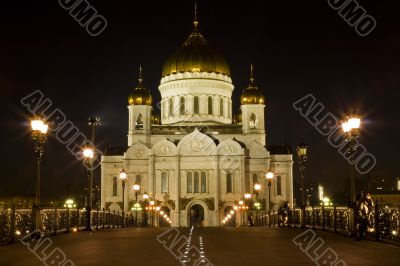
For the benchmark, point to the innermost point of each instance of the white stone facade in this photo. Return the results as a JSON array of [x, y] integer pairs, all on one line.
[[198, 159], [198, 156]]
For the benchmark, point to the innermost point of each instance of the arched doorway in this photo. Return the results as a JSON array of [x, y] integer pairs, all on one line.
[[196, 215]]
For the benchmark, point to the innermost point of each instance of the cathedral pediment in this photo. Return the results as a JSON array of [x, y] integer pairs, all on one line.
[[137, 151], [164, 148], [256, 150], [230, 147], [197, 143]]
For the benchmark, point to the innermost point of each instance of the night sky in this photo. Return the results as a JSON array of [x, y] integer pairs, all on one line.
[[297, 47]]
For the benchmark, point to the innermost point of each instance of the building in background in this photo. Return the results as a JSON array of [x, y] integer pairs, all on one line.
[[196, 157], [78, 193], [385, 190], [320, 192], [18, 201], [380, 184]]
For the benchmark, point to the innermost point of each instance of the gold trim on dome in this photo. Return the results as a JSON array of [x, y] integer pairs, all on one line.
[[251, 94], [140, 95], [195, 55]]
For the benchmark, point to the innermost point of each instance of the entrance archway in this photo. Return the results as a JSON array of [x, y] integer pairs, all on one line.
[[196, 215]]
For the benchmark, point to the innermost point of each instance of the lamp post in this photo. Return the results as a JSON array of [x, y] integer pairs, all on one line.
[[39, 131], [151, 209], [247, 197], [146, 198], [88, 155], [351, 129], [241, 208], [256, 206], [136, 188], [161, 215], [257, 188], [302, 150], [269, 176], [123, 176], [158, 208]]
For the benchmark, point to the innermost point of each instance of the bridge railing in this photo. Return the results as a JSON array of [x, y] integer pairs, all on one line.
[[383, 220], [15, 223]]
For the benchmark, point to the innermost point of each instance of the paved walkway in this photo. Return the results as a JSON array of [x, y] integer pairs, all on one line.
[[220, 246]]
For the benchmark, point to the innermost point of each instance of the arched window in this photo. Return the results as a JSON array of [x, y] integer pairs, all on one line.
[[229, 183], [189, 187], [115, 186], [164, 182], [139, 122], [278, 185], [210, 105], [196, 182], [182, 106], [221, 107], [196, 105], [255, 179], [203, 182], [252, 121], [171, 106], [138, 180]]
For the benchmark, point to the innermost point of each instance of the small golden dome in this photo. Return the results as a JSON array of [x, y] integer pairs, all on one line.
[[140, 95], [155, 118], [251, 94], [195, 55]]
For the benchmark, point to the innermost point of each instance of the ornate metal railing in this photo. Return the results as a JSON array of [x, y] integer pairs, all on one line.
[[383, 221], [15, 223]]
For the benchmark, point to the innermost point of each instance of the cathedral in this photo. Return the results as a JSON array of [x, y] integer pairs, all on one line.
[[190, 155]]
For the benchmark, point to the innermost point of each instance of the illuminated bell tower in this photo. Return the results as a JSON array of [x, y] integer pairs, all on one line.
[[252, 108], [140, 113]]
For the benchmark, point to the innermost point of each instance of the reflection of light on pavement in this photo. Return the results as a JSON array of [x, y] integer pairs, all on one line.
[[184, 260], [201, 249]]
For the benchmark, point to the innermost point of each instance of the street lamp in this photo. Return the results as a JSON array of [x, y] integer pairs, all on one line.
[[123, 176], [151, 211], [351, 129], [69, 203], [302, 150], [88, 156], [39, 131], [157, 217], [247, 197], [269, 176], [257, 188], [136, 188]]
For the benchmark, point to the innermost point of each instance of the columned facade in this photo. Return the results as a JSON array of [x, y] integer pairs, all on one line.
[[193, 158]]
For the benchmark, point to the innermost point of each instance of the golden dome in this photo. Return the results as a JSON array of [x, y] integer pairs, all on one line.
[[155, 118], [140, 95], [251, 94], [195, 55]]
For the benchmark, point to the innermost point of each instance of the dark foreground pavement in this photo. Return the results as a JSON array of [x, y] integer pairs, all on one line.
[[221, 246]]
